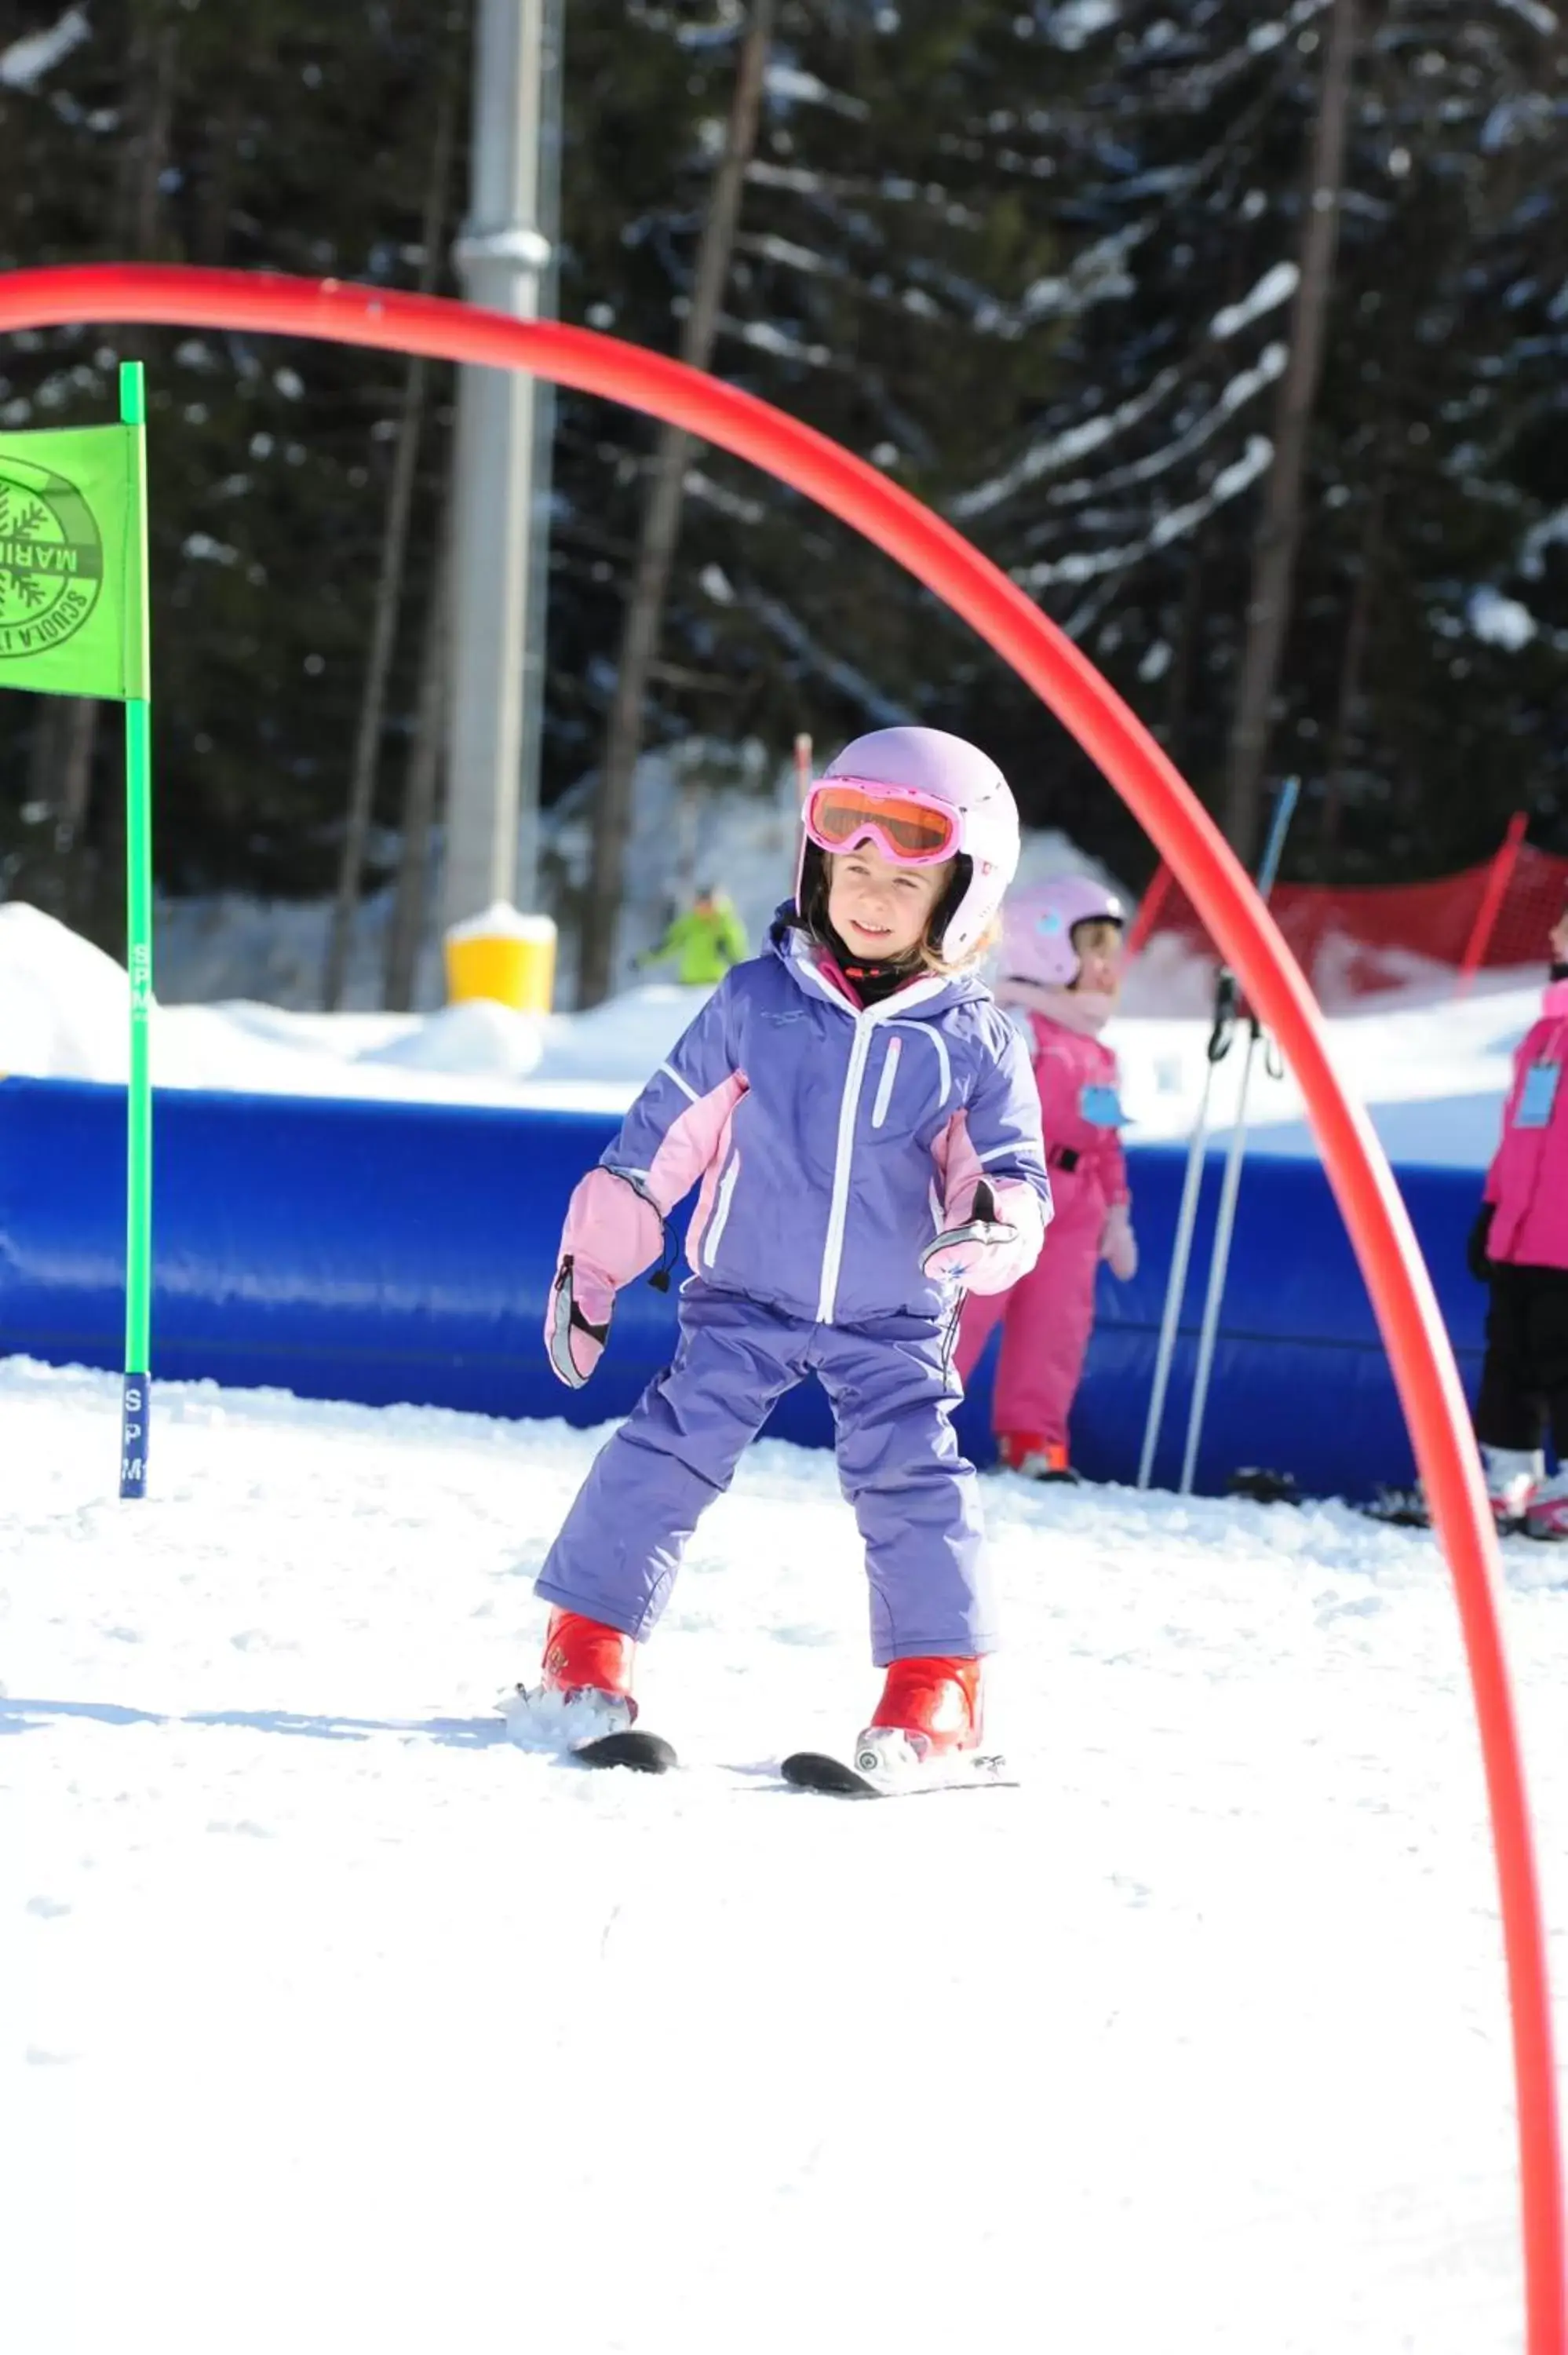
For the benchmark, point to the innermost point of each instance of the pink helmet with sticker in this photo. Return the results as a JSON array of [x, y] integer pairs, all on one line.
[[1037, 932], [932, 767]]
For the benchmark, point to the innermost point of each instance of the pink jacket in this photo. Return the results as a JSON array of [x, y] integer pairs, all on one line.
[[1528, 1181], [1080, 1103]]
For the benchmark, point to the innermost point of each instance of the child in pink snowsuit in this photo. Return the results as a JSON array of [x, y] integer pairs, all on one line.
[[1061, 973], [1518, 1246]]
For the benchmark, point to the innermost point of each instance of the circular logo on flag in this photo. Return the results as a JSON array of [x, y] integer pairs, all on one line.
[[51, 559]]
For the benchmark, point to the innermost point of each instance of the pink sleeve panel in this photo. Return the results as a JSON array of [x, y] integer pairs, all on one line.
[[960, 1171], [693, 1143], [1116, 1187], [1113, 1160], [612, 1232]]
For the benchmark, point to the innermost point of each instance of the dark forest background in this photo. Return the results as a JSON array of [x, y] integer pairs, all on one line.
[[1049, 265]]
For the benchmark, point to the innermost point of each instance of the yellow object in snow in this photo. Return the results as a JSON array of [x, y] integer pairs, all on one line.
[[503, 956]]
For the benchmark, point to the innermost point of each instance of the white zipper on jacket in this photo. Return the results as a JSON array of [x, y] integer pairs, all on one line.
[[717, 1223], [838, 1209], [884, 1085], [867, 1022]]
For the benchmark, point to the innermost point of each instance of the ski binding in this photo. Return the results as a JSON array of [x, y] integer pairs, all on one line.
[[815, 1770], [583, 1728]]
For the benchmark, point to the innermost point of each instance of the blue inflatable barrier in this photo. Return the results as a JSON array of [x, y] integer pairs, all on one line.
[[1301, 1382], [389, 1251]]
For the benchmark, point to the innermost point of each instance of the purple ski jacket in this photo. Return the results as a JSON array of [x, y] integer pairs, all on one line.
[[833, 1144]]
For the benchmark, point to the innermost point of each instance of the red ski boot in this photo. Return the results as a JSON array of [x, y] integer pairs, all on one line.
[[1036, 1457], [584, 1656], [929, 1709], [586, 1691]]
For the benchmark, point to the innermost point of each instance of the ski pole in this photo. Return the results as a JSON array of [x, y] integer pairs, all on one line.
[[1279, 826], [1186, 1219], [1224, 1224]]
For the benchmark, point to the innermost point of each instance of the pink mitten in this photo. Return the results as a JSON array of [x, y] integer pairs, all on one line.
[[613, 1231], [578, 1325], [960, 1253], [1119, 1245]]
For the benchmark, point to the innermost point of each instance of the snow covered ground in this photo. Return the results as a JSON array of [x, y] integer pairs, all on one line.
[[1434, 1073], [332, 2022]]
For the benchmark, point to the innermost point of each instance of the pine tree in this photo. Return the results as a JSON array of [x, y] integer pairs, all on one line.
[[1034, 261]]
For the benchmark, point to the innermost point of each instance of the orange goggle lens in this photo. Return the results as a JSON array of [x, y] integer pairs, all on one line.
[[910, 829]]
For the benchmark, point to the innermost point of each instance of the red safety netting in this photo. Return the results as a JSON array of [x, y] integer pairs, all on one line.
[[1356, 943], [1536, 896]]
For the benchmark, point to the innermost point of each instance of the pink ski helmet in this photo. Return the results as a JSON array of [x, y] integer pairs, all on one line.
[[932, 767], [1037, 935]]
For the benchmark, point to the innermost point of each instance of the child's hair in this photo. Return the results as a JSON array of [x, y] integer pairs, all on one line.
[[924, 957], [933, 961]]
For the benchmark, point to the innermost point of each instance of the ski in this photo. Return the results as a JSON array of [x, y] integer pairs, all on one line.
[[814, 1770], [644, 1754], [1397, 1508], [1406, 1508]]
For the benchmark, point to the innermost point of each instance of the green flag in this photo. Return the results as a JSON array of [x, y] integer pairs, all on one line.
[[73, 566]]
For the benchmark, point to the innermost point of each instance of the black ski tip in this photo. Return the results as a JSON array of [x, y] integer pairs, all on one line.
[[813, 1769], [1263, 1486], [1399, 1509], [644, 1754]]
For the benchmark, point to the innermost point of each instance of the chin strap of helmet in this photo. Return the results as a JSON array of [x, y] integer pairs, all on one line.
[[872, 979]]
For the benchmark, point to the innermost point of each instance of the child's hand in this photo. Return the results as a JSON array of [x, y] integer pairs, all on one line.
[[578, 1325], [1119, 1245], [613, 1231], [961, 1255]]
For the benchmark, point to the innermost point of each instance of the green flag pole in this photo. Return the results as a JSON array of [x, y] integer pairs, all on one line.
[[73, 620], [134, 1406]]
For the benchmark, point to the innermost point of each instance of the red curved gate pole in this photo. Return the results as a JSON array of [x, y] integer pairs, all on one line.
[[1203, 865]]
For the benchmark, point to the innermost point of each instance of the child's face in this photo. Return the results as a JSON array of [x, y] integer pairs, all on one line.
[[878, 910], [1557, 939], [1098, 944]]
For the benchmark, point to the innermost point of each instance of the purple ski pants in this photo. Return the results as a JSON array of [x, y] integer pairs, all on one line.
[[892, 1394]]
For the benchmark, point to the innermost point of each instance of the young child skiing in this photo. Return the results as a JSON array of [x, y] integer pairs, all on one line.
[[1518, 1246], [1062, 971], [861, 1120]]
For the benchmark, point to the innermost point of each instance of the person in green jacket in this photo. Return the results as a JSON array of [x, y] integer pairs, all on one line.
[[707, 940]]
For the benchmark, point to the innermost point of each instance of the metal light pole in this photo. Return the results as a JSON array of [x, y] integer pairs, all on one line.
[[499, 503], [548, 219]]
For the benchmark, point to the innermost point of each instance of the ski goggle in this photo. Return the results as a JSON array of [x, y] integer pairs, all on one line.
[[910, 827]]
